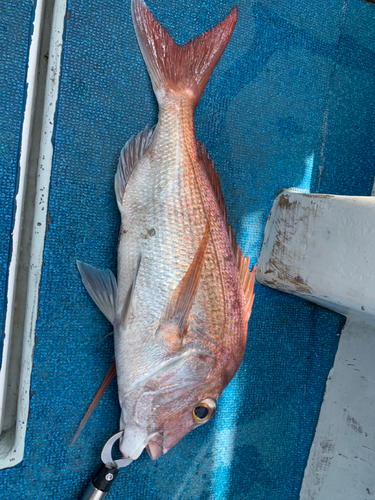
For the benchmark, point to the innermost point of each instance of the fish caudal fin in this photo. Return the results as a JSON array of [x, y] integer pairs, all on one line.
[[174, 68]]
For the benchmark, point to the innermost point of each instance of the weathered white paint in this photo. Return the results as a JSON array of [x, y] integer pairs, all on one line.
[[321, 248], [17, 356], [341, 464], [31, 81]]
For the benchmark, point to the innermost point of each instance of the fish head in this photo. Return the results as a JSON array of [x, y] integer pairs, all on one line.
[[181, 396]]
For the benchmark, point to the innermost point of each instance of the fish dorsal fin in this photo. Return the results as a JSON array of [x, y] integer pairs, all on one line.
[[101, 286], [247, 278], [126, 308], [130, 155], [182, 301]]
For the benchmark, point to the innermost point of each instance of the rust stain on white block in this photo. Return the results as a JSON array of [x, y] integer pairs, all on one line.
[[318, 247]]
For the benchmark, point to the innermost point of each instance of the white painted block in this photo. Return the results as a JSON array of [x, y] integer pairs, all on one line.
[[341, 464], [29, 233], [321, 247]]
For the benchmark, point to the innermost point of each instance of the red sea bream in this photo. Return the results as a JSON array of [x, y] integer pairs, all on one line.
[[183, 295]]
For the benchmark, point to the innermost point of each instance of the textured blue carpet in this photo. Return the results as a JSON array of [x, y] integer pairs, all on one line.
[[15, 32], [291, 104]]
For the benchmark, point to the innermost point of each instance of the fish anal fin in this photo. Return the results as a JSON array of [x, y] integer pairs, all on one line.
[[130, 155], [182, 301], [174, 67], [103, 387], [247, 278], [209, 167], [248, 281], [101, 286]]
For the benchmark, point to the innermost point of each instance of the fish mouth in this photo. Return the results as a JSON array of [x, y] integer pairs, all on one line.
[[132, 443], [136, 453], [155, 445], [132, 446]]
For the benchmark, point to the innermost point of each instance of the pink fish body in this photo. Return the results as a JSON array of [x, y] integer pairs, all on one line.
[[183, 295]]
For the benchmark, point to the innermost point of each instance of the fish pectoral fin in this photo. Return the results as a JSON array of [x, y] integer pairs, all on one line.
[[101, 286], [129, 295], [130, 155], [182, 301], [103, 387]]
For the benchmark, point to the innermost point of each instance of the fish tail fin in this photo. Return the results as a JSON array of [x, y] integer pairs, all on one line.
[[174, 68]]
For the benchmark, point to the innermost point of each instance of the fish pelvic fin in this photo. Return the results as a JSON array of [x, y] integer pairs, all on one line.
[[247, 278], [103, 387], [174, 68], [128, 301], [182, 301], [130, 155], [101, 286]]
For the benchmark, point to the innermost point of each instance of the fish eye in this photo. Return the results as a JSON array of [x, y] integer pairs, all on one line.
[[204, 411]]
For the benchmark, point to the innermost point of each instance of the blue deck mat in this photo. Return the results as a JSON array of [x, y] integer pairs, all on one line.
[[15, 32], [291, 104]]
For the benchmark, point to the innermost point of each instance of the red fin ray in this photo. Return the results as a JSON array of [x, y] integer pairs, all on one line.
[[103, 387], [174, 67]]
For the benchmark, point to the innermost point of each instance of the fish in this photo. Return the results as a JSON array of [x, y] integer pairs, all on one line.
[[183, 296]]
